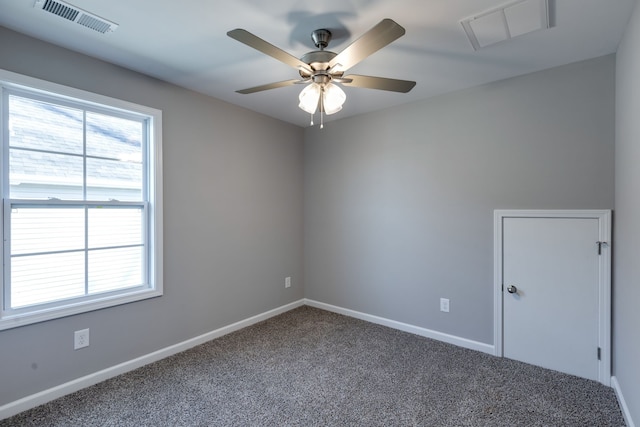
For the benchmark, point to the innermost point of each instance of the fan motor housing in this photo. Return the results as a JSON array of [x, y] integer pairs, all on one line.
[[318, 61]]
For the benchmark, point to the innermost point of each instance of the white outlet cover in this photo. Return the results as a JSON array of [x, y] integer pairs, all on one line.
[[81, 339], [444, 305]]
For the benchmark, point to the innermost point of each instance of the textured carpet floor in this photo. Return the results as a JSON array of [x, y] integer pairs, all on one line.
[[309, 367]]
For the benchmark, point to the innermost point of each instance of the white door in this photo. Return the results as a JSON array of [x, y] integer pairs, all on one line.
[[551, 298]]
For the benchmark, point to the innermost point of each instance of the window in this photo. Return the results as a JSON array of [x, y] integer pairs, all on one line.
[[82, 201]]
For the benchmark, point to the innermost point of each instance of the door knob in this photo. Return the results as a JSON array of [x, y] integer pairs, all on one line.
[[512, 289]]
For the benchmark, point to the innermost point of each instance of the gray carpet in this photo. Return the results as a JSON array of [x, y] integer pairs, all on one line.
[[309, 367]]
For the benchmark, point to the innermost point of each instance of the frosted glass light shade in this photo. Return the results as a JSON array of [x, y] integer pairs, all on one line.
[[309, 98], [333, 98]]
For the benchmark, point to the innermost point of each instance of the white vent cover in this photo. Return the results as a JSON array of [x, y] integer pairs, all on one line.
[[77, 15], [512, 20]]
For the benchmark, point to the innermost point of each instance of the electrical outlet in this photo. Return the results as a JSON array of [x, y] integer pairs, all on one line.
[[81, 339], [444, 305], [287, 282]]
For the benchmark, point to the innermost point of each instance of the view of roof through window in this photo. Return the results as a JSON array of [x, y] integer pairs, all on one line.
[[47, 146]]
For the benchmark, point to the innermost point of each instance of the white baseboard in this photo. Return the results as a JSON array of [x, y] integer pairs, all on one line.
[[623, 404], [417, 330], [45, 396]]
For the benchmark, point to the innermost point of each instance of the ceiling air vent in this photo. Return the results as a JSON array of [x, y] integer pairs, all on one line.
[[77, 15], [506, 22]]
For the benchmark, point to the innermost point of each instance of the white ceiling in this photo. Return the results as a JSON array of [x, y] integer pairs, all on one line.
[[185, 42]]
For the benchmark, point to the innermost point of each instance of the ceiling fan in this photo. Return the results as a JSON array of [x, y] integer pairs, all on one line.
[[322, 69]]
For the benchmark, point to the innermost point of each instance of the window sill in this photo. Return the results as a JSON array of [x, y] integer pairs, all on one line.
[[8, 320]]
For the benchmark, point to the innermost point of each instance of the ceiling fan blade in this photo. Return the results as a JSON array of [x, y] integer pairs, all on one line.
[[341, 80], [271, 86], [373, 40], [380, 83], [243, 36]]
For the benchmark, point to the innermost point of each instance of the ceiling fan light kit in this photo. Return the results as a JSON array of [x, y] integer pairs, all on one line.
[[329, 97], [323, 70]]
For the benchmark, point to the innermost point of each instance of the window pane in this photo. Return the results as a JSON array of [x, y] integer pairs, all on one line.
[[36, 175], [114, 137], [36, 230], [44, 126], [110, 227], [45, 278], [114, 269], [110, 179]]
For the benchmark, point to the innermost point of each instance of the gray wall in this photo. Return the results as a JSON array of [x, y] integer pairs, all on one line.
[[626, 291], [399, 204], [232, 225]]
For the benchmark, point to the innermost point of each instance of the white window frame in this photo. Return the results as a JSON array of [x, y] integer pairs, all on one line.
[[11, 318]]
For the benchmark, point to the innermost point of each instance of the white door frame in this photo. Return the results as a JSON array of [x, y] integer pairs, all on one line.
[[604, 293]]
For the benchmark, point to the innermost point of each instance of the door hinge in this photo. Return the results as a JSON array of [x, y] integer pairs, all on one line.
[[600, 245], [599, 353]]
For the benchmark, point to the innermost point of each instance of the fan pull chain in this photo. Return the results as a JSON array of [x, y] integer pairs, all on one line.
[[322, 108], [311, 120]]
